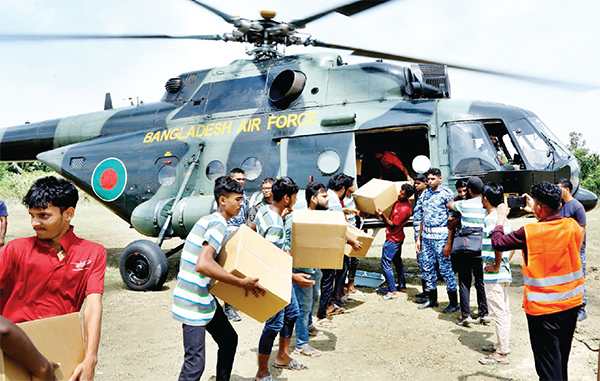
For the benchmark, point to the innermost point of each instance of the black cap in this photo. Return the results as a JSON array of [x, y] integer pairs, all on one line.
[[475, 184]]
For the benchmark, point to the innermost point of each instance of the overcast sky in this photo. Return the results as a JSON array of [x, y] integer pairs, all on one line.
[[546, 38]]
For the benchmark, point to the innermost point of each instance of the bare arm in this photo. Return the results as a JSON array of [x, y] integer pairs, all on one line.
[[206, 265], [92, 320], [15, 343], [3, 226], [418, 243]]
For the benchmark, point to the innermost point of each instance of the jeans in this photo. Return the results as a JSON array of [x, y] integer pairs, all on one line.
[[466, 264], [307, 297], [194, 346], [392, 253], [352, 267], [340, 279], [281, 323]]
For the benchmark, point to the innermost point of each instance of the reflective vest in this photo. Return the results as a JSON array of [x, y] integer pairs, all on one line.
[[553, 275]]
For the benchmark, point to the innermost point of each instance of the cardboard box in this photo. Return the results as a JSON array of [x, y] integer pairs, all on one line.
[[398, 184], [364, 238], [376, 194], [318, 239], [247, 253], [58, 338]]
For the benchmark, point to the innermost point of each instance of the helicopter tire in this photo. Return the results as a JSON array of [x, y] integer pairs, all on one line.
[[143, 266]]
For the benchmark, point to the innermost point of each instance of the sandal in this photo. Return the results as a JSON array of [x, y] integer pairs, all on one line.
[[308, 351], [292, 365], [492, 348], [389, 296], [337, 310], [313, 331], [491, 360], [326, 323]]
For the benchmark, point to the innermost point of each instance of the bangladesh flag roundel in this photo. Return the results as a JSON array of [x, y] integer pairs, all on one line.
[[109, 179]]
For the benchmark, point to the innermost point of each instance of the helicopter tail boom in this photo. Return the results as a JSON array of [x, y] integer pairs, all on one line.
[[25, 142]]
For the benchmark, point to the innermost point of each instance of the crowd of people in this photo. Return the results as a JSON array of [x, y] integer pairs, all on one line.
[[468, 235]]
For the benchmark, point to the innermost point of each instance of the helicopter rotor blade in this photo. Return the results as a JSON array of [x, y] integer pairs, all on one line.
[[54, 37], [223, 15], [347, 10], [528, 78]]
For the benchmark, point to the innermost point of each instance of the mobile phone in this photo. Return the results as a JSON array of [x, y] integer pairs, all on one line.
[[516, 202]]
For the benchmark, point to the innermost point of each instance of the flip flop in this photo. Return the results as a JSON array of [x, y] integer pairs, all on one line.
[[292, 365], [389, 296], [326, 323], [490, 360], [308, 351], [337, 310], [314, 332]]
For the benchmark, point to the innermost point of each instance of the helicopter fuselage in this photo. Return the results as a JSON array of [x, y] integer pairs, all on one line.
[[305, 116]]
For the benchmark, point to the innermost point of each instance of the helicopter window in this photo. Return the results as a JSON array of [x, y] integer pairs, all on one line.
[[328, 161], [167, 175], [236, 94], [215, 169], [558, 146], [534, 147], [471, 151], [252, 168]]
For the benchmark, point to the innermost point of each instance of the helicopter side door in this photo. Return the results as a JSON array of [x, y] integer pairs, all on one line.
[[317, 157]]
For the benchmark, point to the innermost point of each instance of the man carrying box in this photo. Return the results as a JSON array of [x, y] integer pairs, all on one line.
[[269, 224], [193, 305], [394, 237], [53, 273], [306, 280]]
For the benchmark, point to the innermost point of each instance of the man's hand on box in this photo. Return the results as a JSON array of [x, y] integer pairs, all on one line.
[[356, 245], [302, 279], [250, 284], [83, 372]]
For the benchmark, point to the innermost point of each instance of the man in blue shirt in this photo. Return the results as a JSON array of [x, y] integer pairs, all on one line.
[[571, 207], [433, 236], [3, 222]]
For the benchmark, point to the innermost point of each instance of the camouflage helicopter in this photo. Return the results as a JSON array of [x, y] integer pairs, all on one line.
[[307, 116]]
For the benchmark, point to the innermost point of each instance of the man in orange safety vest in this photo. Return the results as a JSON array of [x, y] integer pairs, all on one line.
[[552, 275]]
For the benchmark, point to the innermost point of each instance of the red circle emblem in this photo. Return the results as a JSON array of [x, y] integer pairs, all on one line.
[[108, 179]]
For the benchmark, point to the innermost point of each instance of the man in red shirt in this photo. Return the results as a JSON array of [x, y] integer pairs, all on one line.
[[390, 164], [394, 237], [54, 272]]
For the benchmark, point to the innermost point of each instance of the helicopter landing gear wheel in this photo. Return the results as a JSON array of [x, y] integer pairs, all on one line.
[[143, 266]]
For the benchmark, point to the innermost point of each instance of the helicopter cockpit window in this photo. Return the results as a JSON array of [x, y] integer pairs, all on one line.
[[471, 151], [328, 161], [558, 146], [252, 168], [532, 144], [215, 169]]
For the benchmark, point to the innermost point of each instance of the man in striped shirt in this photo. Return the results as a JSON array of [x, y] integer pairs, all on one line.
[[193, 305], [469, 262], [269, 224]]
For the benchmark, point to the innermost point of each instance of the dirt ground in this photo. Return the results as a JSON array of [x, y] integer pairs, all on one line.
[[374, 340]]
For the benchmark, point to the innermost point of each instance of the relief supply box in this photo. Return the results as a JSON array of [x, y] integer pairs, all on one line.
[[318, 239], [376, 194], [247, 253], [362, 237], [58, 338]]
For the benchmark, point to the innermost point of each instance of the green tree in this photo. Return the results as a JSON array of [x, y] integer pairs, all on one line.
[[588, 161]]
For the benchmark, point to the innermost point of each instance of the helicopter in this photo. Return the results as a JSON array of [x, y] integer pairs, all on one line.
[[307, 116]]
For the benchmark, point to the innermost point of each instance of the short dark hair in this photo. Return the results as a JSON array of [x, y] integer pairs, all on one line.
[[339, 181], [225, 185], [235, 170], [313, 189], [50, 191], [267, 180], [548, 194], [409, 189], [566, 183], [494, 193], [420, 177], [284, 186], [434, 171], [461, 183]]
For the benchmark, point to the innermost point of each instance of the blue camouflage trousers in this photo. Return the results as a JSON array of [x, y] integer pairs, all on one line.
[[432, 250]]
